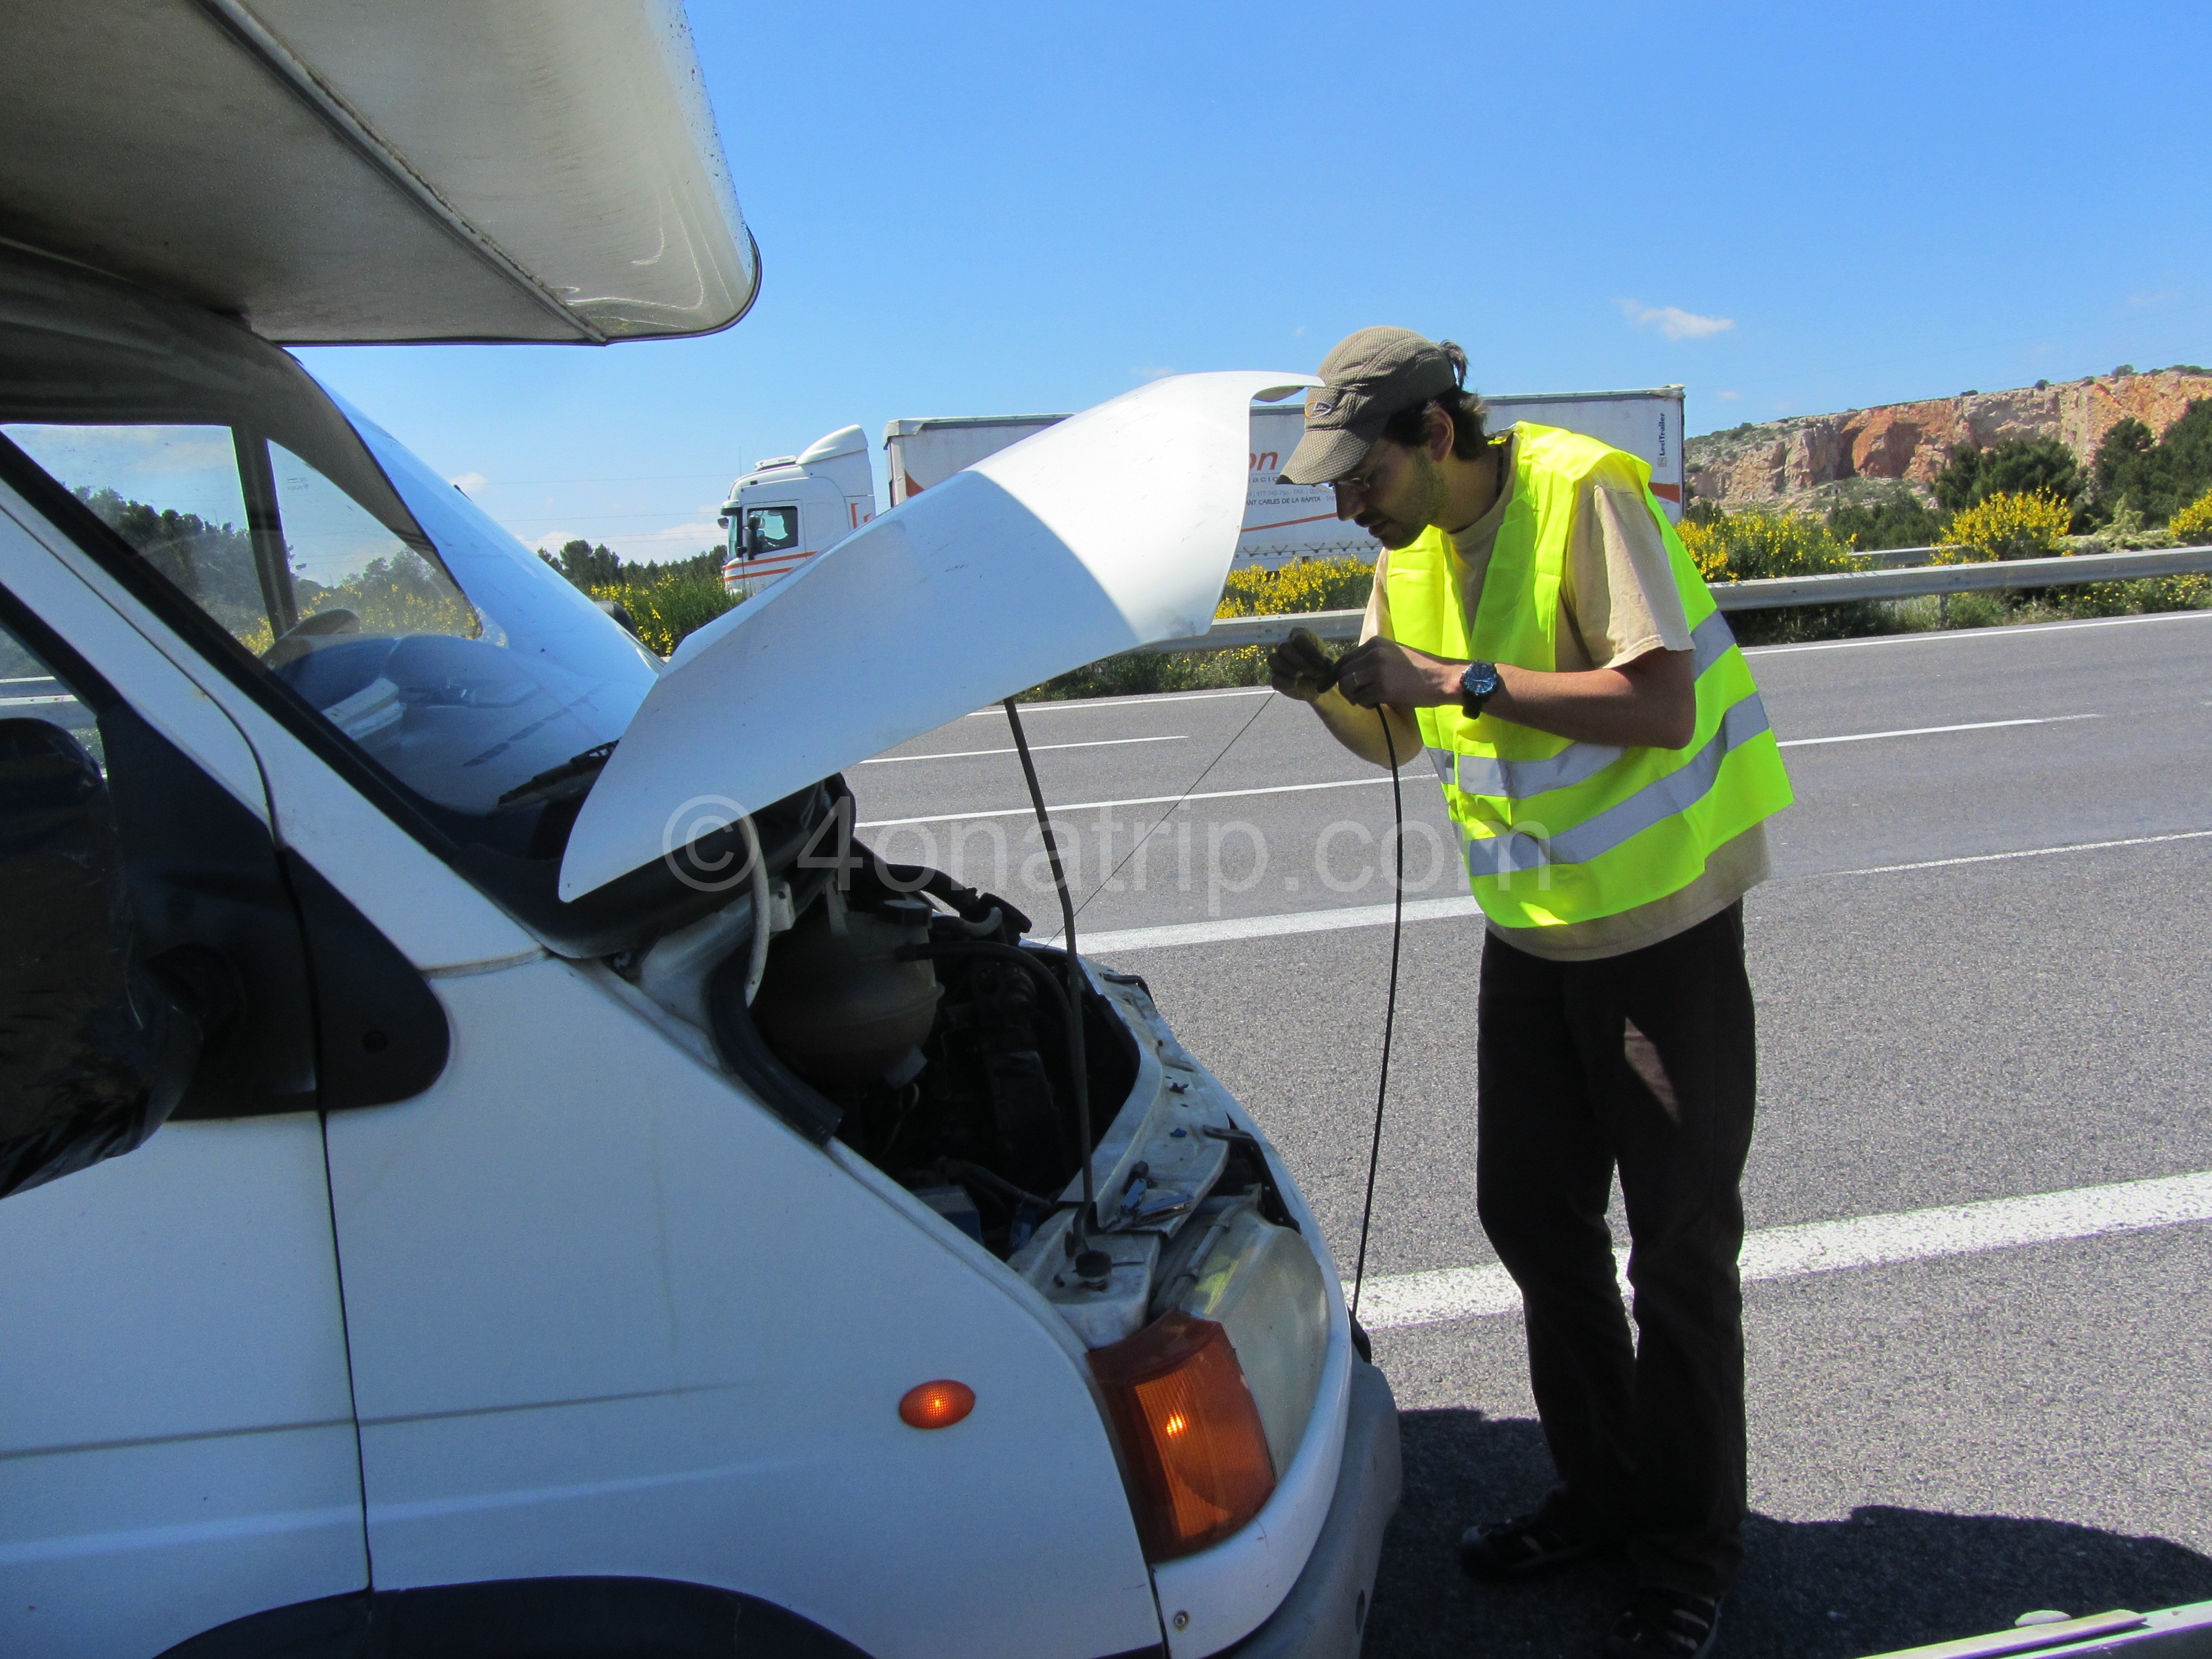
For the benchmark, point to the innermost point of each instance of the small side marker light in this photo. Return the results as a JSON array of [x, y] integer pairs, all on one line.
[[936, 1405]]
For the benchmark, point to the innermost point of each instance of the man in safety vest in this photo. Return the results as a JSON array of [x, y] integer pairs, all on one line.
[[1539, 630]]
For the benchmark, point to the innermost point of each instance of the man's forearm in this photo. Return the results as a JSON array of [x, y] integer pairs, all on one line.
[[1649, 702], [1624, 708]]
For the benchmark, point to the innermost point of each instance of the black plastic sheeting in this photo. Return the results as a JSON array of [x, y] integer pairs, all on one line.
[[95, 1049]]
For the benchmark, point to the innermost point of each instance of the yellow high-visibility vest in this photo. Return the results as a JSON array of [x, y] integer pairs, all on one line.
[[1555, 832]]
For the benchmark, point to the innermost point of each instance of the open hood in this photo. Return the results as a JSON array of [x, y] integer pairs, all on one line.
[[336, 171], [1113, 529]]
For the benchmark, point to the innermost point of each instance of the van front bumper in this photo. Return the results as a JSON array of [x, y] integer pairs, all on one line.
[[1325, 1615]]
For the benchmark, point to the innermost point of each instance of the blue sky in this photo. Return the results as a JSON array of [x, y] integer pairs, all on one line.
[[988, 208]]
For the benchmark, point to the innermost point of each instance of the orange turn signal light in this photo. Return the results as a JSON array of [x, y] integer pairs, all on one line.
[[936, 1405], [1196, 1449]]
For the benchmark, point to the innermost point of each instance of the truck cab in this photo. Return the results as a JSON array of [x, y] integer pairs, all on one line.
[[491, 1160], [789, 509]]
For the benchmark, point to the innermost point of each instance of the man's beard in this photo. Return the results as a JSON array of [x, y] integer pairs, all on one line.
[[1422, 504]]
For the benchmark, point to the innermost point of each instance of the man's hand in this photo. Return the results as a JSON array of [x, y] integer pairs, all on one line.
[[1302, 666], [1383, 671]]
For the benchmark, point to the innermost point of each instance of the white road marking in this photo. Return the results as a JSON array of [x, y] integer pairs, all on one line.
[[2017, 630], [1120, 702], [1345, 783], [1396, 1300], [1135, 801], [1236, 927], [1034, 749], [1999, 858], [1930, 731], [1378, 915]]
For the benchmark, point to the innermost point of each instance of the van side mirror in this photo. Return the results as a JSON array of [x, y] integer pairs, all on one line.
[[97, 1044], [749, 543]]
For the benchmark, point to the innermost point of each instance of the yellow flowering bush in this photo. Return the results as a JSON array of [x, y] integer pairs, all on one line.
[[2194, 522], [1732, 547], [666, 610], [1728, 547], [1708, 549], [1308, 584], [2006, 526]]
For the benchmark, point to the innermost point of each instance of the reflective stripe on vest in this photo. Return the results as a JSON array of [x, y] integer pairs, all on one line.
[[1556, 832]]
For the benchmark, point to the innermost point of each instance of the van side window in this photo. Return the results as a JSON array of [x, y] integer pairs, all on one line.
[[173, 493], [263, 542]]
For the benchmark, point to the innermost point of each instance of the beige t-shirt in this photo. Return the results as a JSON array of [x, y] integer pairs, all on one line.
[[1617, 601]]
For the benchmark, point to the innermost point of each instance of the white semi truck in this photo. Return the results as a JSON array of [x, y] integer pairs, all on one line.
[[787, 509]]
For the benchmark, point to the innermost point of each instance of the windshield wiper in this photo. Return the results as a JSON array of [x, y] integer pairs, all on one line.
[[575, 767]]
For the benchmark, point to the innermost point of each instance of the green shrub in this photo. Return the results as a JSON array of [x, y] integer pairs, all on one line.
[[1894, 517], [2154, 477], [2017, 466], [591, 567], [1138, 673]]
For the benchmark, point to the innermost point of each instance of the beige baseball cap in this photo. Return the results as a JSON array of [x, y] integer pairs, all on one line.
[[1369, 377]]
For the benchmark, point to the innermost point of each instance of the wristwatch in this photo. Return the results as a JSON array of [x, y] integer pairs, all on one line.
[[1477, 686]]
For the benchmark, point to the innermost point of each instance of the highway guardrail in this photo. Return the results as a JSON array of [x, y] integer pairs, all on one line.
[[1765, 594], [1982, 576]]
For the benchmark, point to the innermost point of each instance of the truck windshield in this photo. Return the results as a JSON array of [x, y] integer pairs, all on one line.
[[425, 635]]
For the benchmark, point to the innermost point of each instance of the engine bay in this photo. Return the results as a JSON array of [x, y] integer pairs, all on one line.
[[904, 1016]]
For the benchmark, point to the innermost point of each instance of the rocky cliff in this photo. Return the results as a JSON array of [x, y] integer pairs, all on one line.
[[1808, 459]]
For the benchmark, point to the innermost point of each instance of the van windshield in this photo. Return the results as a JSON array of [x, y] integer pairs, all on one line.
[[425, 635]]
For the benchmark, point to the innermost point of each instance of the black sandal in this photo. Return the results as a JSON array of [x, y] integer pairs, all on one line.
[[1665, 1624], [1520, 1548]]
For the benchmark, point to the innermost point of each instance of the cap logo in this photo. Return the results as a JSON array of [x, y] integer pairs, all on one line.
[[1321, 409]]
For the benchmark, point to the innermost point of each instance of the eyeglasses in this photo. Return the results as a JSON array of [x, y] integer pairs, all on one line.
[[1362, 481]]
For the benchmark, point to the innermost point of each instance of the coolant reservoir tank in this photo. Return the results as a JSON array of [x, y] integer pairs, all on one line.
[[1262, 1285], [837, 1003]]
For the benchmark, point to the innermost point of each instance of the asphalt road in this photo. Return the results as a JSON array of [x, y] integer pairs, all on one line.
[[1951, 1011]]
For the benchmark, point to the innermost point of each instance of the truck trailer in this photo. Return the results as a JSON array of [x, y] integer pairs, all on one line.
[[787, 509]]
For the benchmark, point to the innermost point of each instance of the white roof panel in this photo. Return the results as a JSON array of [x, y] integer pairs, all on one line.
[[381, 170]]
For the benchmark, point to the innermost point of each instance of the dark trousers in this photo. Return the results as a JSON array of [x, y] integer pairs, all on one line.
[[1643, 1062]]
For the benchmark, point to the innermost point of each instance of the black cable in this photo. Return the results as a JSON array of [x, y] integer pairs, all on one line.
[[1077, 1062], [1139, 845], [1390, 1005]]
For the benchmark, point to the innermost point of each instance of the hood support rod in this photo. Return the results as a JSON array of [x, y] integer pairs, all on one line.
[[1091, 1265]]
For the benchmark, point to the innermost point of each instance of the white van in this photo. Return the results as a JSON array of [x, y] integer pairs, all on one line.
[[490, 1165]]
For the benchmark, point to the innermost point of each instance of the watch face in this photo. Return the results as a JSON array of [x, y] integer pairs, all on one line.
[[1479, 680]]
